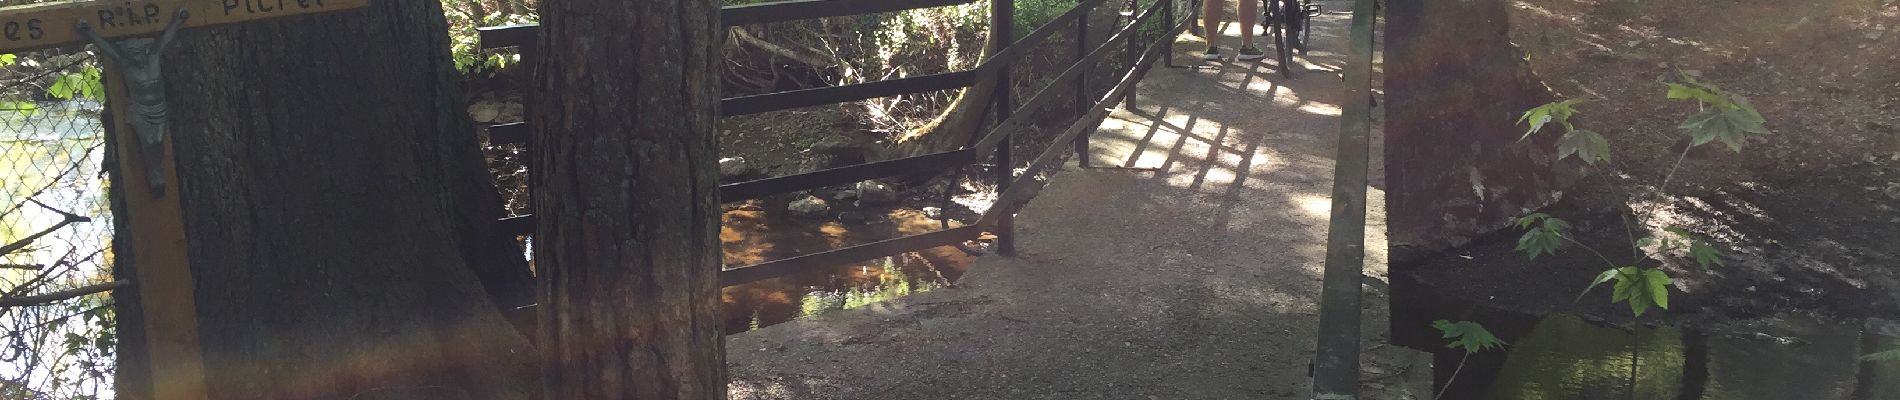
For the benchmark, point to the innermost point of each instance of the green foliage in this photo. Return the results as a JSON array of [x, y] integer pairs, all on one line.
[[1885, 356], [83, 84], [1467, 335], [1586, 145], [1642, 288], [466, 16], [1542, 235], [1725, 116], [1704, 254], [23, 107], [1558, 112]]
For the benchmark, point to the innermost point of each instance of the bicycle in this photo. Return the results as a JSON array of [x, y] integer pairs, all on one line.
[[1279, 22]]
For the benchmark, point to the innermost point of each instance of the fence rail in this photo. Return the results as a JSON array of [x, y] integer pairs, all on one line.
[[1016, 190]]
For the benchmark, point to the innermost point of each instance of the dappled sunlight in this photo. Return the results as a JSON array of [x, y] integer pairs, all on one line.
[[1196, 230], [1320, 109]]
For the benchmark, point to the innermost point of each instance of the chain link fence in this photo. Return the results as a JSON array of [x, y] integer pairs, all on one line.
[[56, 322]]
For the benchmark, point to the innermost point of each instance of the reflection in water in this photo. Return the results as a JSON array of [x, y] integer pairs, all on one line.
[[749, 236], [1565, 357]]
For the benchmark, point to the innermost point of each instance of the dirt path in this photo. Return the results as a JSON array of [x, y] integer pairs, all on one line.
[[1193, 276]]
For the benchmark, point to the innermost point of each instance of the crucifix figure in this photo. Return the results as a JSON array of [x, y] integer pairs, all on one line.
[[138, 60]]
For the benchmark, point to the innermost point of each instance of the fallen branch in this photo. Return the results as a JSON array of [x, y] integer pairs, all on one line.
[[33, 267], [743, 36], [22, 243], [43, 299]]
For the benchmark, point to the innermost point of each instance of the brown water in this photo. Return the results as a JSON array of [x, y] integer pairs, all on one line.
[[752, 236]]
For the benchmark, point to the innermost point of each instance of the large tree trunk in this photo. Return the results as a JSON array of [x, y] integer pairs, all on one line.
[[338, 215], [626, 193]]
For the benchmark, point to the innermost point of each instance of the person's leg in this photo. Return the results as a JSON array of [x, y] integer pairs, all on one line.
[[1211, 11], [1210, 19], [1249, 18]]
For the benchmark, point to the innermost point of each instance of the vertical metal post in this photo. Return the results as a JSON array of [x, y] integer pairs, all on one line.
[[1082, 100], [1131, 53], [531, 57], [1002, 23], [1336, 363], [1167, 24]]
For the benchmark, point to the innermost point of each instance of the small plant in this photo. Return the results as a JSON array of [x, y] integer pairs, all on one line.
[[1723, 116], [1466, 335]]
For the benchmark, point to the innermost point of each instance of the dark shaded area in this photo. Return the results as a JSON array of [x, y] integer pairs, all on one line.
[[337, 215], [1455, 85]]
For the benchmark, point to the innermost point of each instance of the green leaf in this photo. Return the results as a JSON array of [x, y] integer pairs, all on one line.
[[93, 86], [1699, 92], [23, 107], [1702, 127], [1627, 282], [8, 59], [1725, 117], [1542, 236], [64, 87], [1536, 242], [1556, 225], [1658, 282], [1705, 254], [1606, 276], [1888, 356], [1587, 145], [1468, 335], [1558, 112], [1533, 219]]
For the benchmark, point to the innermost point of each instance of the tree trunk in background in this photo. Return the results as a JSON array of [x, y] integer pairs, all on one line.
[[956, 126], [626, 193], [339, 215]]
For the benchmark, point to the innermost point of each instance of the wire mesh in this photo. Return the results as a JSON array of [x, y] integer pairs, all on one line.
[[55, 229]]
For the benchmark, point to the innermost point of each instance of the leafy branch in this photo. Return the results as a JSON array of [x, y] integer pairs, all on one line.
[[1723, 116], [1469, 336]]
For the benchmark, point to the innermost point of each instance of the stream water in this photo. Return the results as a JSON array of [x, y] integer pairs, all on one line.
[[751, 236], [1566, 357]]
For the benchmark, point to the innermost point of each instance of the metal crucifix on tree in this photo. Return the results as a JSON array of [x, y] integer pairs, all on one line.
[[135, 93]]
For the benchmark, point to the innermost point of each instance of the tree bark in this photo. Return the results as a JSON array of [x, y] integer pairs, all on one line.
[[626, 193], [339, 218]]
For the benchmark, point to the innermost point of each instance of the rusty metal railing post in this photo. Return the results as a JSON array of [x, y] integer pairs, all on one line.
[[1082, 101], [1132, 53], [1167, 24], [1002, 24], [1336, 362]]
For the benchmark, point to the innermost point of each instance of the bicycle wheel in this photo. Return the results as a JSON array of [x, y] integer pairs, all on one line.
[[1277, 26]]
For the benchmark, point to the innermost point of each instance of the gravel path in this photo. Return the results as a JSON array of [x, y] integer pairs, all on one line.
[[1195, 275]]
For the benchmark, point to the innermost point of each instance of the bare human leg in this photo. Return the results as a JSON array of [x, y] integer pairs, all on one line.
[[1249, 21], [1210, 20]]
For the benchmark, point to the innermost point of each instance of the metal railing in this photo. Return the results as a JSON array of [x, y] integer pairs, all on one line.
[[1016, 189]]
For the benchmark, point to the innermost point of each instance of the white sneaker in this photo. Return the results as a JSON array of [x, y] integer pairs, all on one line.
[[1212, 54]]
